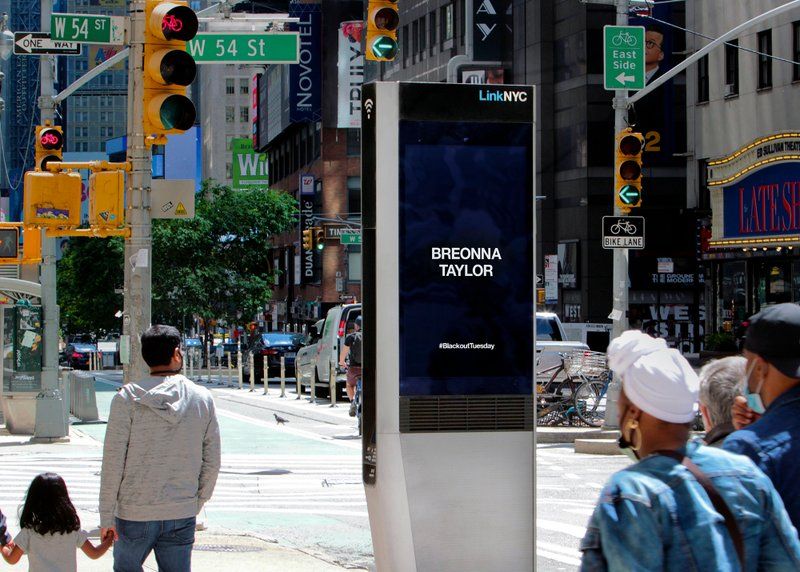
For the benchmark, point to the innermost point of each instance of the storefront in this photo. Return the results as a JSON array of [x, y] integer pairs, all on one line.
[[754, 252]]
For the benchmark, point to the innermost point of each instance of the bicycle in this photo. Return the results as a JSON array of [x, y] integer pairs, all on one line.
[[621, 226], [627, 38], [555, 397]]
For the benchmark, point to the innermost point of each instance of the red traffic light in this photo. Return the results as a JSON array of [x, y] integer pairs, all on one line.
[[51, 139], [175, 21], [630, 145], [386, 19]]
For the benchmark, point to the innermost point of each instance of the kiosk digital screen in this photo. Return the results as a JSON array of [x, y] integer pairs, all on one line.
[[466, 268]]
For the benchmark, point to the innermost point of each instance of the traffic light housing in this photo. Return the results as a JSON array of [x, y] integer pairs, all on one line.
[[168, 68], [49, 145], [319, 238], [52, 200], [308, 240], [383, 19], [628, 170], [106, 193]]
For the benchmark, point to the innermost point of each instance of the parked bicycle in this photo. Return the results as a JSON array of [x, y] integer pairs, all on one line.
[[574, 391]]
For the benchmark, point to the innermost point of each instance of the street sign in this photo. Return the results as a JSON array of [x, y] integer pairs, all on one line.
[[245, 48], [623, 232], [350, 237], [172, 198], [629, 195], [623, 64], [88, 28], [37, 43]]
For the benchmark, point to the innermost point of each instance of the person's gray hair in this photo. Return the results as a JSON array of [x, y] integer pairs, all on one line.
[[720, 383]]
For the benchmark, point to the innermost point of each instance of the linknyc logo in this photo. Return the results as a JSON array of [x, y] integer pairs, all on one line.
[[499, 95]]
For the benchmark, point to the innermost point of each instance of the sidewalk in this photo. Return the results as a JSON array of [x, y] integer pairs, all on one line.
[[214, 548]]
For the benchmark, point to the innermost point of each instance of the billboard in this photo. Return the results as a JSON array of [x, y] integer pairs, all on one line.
[[305, 78], [249, 167], [351, 74]]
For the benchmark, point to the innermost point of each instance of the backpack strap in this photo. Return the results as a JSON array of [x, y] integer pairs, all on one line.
[[716, 499]]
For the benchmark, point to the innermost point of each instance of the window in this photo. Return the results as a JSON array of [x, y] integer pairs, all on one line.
[[229, 142], [228, 170], [230, 114], [732, 68], [353, 142], [447, 23], [353, 197], [406, 51], [244, 86], [702, 79], [764, 59], [354, 263], [415, 40], [796, 50], [106, 131], [244, 114], [462, 20], [230, 88], [432, 29], [422, 38]]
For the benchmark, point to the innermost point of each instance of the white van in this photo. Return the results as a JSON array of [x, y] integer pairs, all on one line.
[[314, 361]]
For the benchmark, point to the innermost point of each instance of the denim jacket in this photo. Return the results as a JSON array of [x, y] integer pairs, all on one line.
[[773, 443], [654, 515]]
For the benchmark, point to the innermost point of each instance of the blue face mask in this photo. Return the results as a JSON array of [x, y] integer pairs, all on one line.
[[754, 401]]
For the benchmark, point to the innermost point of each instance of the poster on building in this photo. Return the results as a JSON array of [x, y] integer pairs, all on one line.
[[492, 30], [249, 167], [254, 109], [25, 373], [99, 54], [551, 279], [305, 78], [568, 263], [351, 74]]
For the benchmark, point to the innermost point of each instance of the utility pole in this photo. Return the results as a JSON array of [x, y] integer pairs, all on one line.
[[50, 415], [136, 316]]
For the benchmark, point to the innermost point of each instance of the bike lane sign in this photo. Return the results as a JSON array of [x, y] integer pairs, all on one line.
[[623, 232], [623, 61]]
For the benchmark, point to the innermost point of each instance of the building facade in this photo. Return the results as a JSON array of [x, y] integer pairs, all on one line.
[[745, 126]]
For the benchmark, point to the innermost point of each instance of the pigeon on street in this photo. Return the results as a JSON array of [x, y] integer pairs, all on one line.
[[280, 420]]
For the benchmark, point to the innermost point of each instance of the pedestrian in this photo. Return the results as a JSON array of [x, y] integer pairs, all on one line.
[[720, 383], [351, 359], [768, 412], [51, 529], [682, 505], [161, 458]]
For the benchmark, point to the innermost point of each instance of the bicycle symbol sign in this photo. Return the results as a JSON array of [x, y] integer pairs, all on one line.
[[623, 232], [624, 57]]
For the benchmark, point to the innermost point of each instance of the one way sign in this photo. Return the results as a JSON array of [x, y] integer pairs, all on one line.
[[38, 43]]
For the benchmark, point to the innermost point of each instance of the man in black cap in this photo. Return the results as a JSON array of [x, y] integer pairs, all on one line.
[[768, 412]]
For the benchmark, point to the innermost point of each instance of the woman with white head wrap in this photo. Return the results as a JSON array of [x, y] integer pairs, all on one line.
[[683, 506]]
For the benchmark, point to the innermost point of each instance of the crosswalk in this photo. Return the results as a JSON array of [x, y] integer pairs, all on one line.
[[304, 485]]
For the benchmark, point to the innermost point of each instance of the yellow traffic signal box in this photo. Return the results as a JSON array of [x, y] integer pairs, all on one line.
[[628, 169], [383, 20], [168, 67], [31, 245], [49, 145], [308, 239], [319, 238], [106, 195], [52, 200]]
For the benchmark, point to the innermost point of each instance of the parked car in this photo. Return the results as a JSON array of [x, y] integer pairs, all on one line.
[[315, 360], [273, 345], [77, 355], [551, 340]]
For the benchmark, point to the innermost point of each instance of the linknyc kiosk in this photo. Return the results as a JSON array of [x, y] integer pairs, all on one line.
[[448, 189]]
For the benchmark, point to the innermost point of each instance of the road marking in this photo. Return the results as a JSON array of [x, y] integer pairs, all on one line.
[[562, 527], [558, 553], [572, 476]]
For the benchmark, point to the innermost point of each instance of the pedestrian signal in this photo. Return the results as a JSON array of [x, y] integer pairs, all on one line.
[[168, 68], [9, 244], [52, 200], [628, 170], [106, 192], [383, 20], [49, 145]]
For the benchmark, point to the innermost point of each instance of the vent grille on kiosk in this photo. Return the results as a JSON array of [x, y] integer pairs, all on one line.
[[467, 413]]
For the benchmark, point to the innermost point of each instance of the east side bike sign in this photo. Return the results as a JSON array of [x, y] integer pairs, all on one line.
[[245, 48], [623, 232], [623, 64]]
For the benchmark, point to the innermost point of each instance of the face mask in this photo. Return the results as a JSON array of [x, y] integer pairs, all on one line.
[[754, 401]]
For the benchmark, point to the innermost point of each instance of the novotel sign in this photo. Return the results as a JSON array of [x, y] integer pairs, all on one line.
[[502, 95]]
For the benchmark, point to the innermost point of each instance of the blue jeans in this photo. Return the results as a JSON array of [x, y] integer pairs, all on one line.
[[171, 540]]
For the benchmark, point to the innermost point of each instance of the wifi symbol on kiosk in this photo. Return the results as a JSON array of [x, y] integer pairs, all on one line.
[[368, 105]]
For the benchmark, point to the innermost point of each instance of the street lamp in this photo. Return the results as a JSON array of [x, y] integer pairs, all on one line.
[[6, 39]]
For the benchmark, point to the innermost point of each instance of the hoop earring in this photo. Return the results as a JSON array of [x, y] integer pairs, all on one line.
[[635, 439]]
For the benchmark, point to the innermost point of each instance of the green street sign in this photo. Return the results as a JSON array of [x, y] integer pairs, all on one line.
[[350, 237], [629, 195], [87, 28], [623, 64], [245, 48]]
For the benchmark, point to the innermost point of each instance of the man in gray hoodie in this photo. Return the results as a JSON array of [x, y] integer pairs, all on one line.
[[161, 458]]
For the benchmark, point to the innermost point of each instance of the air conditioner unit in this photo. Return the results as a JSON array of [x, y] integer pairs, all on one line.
[[730, 90]]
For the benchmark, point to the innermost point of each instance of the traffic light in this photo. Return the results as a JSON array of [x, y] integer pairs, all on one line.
[[308, 240], [168, 67], [52, 200], [383, 20], [9, 244], [106, 192], [319, 238], [628, 170], [49, 145]]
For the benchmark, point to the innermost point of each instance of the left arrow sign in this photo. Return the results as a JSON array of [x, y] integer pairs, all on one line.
[[38, 43]]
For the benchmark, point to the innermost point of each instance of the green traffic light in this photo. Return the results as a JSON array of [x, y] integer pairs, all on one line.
[[384, 47], [629, 195]]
